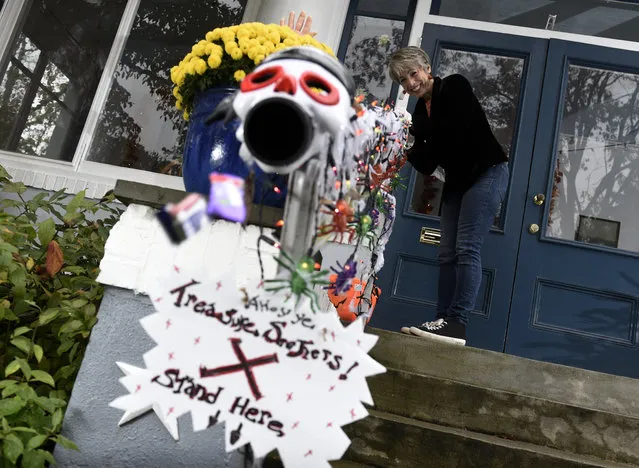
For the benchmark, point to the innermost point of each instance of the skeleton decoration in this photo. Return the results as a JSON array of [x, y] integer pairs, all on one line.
[[297, 112], [299, 117]]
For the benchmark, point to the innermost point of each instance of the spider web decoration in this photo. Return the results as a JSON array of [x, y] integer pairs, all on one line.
[[276, 374]]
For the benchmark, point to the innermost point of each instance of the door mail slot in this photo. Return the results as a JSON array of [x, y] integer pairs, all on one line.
[[430, 236]]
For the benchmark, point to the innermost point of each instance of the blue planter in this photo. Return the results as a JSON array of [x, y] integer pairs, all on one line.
[[214, 148]]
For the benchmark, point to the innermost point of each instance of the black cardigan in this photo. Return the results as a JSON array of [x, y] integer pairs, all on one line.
[[456, 136]]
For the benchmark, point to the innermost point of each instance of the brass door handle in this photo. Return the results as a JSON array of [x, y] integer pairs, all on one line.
[[539, 199], [533, 228]]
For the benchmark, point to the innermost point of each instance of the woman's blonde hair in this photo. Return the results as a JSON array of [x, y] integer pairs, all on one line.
[[405, 60]]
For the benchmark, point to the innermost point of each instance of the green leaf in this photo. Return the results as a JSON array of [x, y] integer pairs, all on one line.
[[12, 368], [11, 406], [66, 443], [77, 303], [56, 419], [48, 315], [38, 352], [24, 367], [24, 429], [47, 456], [5, 425], [22, 343], [20, 331], [46, 231], [4, 174], [76, 202], [14, 187], [73, 325], [7, 383], [76, 270], [36, 441], [43, 377], [65, 346], [19, 280], [7, 247], [34, 458], [12, 447], [10, 391]]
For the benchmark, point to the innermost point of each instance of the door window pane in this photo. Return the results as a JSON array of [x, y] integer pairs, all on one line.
[[370, 46], [496, 81], [53, 73], [595, 189], [617, 20], [140, 127]]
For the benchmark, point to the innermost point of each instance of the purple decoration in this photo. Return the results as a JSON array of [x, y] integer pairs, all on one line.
[[227, 197], [375, 216], [345, 275]]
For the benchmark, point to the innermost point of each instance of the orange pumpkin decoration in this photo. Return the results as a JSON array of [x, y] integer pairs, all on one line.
[[349, 301]]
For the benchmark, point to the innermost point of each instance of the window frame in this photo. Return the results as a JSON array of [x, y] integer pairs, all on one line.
[[354, 10], [80, 173]]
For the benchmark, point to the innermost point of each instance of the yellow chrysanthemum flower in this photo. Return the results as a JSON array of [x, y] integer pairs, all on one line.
[[230, 46], [189, 68], [185, 116], [214, 61], [198, 50], [180, 77], [252, 40], [236, 54], [274, 36], [200, 66]]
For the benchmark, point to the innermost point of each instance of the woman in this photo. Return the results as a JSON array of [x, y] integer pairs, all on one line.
[[451, 131]]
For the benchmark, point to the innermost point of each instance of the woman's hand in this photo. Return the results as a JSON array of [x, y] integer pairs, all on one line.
[[302, 26]]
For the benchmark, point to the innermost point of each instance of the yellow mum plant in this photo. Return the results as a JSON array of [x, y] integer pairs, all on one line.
[[228, 54]]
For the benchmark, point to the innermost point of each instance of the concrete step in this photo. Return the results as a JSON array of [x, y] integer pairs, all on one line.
[[388, 440], [550, 405]]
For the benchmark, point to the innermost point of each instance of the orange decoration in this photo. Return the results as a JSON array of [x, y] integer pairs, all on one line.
[[352, 297]]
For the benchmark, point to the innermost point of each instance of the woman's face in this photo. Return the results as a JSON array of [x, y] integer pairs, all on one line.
[[416, 82]]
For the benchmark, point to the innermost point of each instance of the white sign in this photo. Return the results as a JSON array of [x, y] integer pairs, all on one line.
[[277, 376]]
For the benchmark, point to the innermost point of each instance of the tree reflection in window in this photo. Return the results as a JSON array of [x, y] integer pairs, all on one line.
[[597, 169], [370, 46], [53, 72], [139, 127]]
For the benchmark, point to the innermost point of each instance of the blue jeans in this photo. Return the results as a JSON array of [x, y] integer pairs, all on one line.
[[465, 221]]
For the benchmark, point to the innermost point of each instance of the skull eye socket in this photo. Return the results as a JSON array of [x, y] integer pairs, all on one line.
[[261, 79], [319, 89]]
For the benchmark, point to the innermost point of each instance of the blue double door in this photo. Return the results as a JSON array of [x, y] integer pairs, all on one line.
[[561, 263]]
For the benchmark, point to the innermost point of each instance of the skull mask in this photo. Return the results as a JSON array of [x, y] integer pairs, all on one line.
[[288, 104]]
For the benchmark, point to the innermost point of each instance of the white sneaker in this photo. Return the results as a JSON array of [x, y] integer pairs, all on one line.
[[409, 330]]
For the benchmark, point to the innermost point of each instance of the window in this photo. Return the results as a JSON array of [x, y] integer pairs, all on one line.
[[603, 18], [139, 126], [85, 84], [52, 74], [374, 30]]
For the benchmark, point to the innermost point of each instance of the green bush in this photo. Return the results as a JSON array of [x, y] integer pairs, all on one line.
[[49, 257]]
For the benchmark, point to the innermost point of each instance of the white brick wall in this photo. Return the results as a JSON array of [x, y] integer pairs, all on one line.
[[138, 247]]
